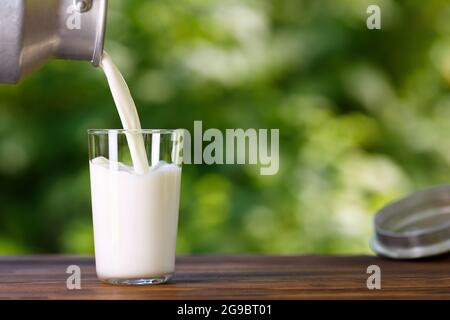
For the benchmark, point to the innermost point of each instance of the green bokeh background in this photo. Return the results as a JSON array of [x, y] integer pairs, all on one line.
[[364, 117]]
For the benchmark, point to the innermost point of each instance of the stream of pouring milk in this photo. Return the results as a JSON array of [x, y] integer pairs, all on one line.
[[127, 112]]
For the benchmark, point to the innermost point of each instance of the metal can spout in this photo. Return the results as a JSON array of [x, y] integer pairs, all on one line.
[[32, 32]]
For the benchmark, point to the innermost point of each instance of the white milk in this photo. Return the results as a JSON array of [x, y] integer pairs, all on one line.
[[135, 219], [127, 112], [135, 209]]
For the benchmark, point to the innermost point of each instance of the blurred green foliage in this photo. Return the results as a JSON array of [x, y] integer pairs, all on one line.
[[364, 117]]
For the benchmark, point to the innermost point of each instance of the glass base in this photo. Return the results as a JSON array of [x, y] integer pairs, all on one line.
[[140, 281]]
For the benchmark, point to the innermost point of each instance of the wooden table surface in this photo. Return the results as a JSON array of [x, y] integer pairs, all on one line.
[[235, 277]]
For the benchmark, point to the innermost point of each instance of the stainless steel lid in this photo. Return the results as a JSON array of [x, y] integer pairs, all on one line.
[[416, 226]]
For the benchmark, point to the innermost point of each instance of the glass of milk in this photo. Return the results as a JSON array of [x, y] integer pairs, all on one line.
[[135, 188]]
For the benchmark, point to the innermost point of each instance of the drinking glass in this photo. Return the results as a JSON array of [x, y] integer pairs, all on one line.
[[135, 212]]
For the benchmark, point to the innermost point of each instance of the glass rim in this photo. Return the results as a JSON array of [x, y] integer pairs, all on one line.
[[124, 131]]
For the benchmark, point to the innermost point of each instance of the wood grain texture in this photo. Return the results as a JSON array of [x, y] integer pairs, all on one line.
[[235, 277]]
